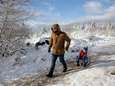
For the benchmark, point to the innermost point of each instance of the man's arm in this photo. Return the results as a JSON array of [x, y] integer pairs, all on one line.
[[68, 40], [50, 43]]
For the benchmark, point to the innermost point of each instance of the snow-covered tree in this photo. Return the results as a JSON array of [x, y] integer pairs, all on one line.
[[13, 31]]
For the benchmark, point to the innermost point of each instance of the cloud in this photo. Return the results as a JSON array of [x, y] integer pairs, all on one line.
[[96, 12], [51, 12], [107, 15], [110, 11], [38, 14], [31, 23], [45, 12], [111, 1], [92, 18], [93, 7], [49, 6]]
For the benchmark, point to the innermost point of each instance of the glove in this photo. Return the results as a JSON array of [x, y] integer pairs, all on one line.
[[49, 50], [66, 48]]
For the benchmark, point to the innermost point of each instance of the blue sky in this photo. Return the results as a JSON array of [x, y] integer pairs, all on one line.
[[66, 11]]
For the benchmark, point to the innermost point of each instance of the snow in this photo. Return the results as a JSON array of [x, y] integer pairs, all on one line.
[[99, 74], [32, 63], [90, 77], [38, 62]]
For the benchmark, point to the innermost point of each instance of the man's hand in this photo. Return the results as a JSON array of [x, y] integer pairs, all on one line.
[[49, 50], [66, 48]]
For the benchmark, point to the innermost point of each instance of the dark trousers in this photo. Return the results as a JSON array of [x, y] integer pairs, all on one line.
[[54, 58], [84, 59]]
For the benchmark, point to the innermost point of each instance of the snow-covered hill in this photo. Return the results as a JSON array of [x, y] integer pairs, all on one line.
[[38, 61]]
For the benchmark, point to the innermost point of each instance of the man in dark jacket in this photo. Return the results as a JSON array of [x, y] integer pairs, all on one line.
[[57, 43]]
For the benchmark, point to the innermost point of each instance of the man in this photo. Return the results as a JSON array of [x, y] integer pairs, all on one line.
[[57, 43]]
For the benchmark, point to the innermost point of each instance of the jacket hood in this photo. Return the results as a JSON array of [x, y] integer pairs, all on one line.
[[56, 28]]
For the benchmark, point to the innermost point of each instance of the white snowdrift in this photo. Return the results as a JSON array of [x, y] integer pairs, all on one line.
[[97, 75], [89, 77]]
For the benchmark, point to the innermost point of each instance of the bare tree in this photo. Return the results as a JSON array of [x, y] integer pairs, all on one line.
[[12, 29]]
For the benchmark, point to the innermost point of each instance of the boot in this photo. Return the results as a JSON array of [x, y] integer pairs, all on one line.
[[78, 64], [85, 64], [65, 70], [49, 75]]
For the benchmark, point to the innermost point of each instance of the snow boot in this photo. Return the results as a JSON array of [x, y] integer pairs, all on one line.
[[85, 64], [49, 75], [78, 64], [65, 70]]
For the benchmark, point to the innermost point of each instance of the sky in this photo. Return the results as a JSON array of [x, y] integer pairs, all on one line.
[[68, 11]]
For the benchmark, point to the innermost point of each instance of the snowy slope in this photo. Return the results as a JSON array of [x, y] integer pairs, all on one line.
[[33, 62], [99, 74], [89, 77], [38, 61]]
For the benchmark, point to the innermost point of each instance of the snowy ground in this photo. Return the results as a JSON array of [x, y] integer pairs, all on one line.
[[99, 74], [38, 62]]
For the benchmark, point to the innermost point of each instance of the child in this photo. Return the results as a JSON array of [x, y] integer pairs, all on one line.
[[82, 59]]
